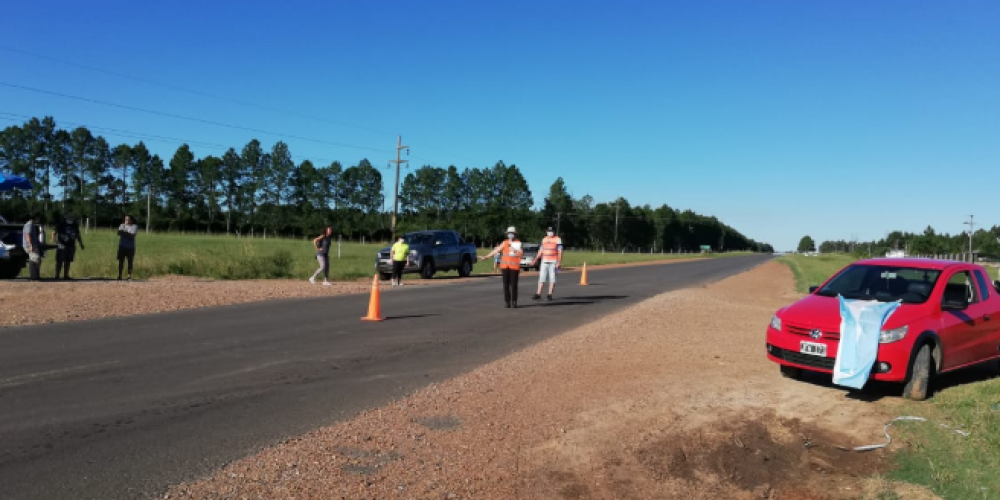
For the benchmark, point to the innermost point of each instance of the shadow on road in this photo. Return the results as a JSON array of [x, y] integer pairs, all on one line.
[[554, 304], [469, 277], [595, 297], [410, 316]]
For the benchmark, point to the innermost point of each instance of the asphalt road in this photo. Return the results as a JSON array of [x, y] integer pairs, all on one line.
[[123, 408]]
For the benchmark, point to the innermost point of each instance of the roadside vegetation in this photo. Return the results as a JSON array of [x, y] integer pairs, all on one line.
[[227, 257], [256, 190], [952, 466], [814, 270]]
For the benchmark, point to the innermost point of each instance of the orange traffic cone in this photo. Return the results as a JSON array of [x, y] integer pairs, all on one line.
[[583, 277], [374, 304]]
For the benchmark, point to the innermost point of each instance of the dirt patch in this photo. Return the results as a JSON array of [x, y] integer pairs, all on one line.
[[672, 398], [769, 455]]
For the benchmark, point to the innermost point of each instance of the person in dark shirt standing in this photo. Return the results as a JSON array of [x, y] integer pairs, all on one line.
[[322, 244], [126, 245], [66, 235]]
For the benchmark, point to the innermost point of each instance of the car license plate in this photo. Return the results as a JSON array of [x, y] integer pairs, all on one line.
[[812, 348]]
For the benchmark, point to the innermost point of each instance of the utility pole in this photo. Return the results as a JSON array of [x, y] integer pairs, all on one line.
[[972, 227], [398, 161], [616, 220]]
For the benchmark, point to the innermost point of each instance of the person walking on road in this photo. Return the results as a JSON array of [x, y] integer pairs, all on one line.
[[32, 243], [126, 245], [322, 244], [400, 256], [551, 254], [510, 252], [66, 235]]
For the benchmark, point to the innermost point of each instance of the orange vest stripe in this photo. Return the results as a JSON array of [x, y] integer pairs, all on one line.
[[508, 261], [550, 249]]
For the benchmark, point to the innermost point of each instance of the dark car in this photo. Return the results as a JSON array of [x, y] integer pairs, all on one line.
[[14, 258], [430, 252]]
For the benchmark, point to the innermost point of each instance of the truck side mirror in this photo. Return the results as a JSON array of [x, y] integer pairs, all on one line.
[[812, 289]]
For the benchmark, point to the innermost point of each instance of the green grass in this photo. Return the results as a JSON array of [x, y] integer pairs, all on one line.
[[227, 257], [953, 466], [810, 271]]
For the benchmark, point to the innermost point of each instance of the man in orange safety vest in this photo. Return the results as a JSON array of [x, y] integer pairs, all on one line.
[[510, 265]]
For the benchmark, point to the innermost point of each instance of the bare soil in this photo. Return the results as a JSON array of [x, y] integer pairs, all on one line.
[[672, 398]]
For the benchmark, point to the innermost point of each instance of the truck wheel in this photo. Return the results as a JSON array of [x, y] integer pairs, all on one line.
[[384, 276], [427, 270], [791, 372], [918, 386], [466, 268]]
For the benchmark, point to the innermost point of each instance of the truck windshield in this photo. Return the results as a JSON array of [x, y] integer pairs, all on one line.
[[418, 239], [882, 283]]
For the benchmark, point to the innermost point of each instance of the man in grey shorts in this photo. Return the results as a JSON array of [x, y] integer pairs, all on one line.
[[551, 253]]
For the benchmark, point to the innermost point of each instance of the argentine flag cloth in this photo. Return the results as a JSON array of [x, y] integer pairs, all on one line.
[[860, 326]]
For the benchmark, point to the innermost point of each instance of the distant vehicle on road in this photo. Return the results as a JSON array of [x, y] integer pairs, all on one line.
[[949, 319], [431, 251], [530, 251]]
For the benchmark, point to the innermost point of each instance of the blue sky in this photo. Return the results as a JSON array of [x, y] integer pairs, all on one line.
[[836, 119]]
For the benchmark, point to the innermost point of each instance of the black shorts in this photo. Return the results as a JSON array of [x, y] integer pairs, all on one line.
[[66, 254], [126, 253], [397, 266]]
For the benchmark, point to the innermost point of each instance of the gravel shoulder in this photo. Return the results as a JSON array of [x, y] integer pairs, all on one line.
[[672, 397]]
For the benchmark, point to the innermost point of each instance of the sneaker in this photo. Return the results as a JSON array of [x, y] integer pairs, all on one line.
[[327, 283], [537, 297], [312, 280]]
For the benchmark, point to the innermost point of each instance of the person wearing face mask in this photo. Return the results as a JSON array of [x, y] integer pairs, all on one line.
[[510, 265], [551, 254]]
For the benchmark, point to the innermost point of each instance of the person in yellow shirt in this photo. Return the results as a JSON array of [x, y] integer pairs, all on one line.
[[400, 256]]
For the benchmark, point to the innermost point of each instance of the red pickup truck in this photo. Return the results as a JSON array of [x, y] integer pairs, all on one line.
[[949, 319]]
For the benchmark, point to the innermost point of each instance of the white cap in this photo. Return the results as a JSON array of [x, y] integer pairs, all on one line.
[[511, 230]]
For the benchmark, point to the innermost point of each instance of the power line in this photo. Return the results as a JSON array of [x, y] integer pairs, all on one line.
[[210, 95], [191, 91], [188, 118]]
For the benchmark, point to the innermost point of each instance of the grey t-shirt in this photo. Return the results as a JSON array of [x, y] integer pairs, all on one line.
[[30, 237], [324, 246], [125, 241]]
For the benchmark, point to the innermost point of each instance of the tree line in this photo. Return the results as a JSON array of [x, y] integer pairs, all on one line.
[[254, 191], [986, 242]]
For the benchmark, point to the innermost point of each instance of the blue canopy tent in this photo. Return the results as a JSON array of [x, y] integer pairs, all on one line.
[[10, 181]]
